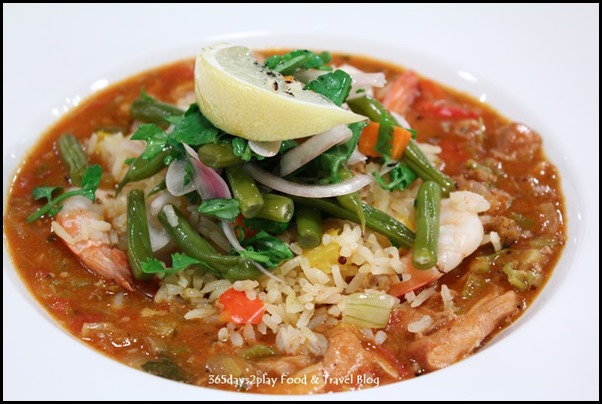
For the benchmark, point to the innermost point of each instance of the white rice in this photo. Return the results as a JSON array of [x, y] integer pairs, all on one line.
[[421, 325], [422, 297], [495, 241], [448, 299]]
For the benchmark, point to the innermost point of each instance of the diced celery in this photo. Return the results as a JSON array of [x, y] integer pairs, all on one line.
[[258, 352], [480, 265], [368, 310], [522, 279], [475, 284]]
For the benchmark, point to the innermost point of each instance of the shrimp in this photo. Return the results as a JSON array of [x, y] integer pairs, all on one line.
[[460, 234], [461, 230], [81, 225]]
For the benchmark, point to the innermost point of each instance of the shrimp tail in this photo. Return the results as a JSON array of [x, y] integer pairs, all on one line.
[[111, 263]]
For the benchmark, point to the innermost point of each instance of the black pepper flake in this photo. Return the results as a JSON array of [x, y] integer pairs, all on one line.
[[275, 85]]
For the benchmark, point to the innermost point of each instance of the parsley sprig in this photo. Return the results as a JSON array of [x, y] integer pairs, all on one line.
[[90, 182]]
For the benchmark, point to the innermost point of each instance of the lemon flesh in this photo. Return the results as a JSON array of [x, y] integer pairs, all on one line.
[[243, 98]]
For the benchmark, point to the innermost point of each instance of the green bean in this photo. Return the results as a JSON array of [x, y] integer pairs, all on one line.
[[417, 161], [147, 109], [230, 267], [412, 156], [371, 108], [245, 190], [158, 188], [141, 169], [309, 226], [139, 246], [74, 157], [352, 201], [218, 155], [428, 208], [380, 222], [112, 129], [278, 208]]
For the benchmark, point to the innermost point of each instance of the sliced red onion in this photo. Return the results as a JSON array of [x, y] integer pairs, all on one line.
[[308, 191], [362, 82], [158, 237], [387, 168], [312, 148], [308, 75], [210, 186], [265, 149], [368, 80], [174, 179], [207, 182], [356, 157], [228, 229], [170, 214]]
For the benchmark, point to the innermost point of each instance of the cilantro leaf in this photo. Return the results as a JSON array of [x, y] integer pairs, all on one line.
[[335, 86], [155, 137], [224, 209], [298, 59], [90, 182], [154, 266], [241, 148], [192, 128], [267, 250], [146, 109], [182, 261], [44, 192], [400, 177], [334, 158], [384, 141]]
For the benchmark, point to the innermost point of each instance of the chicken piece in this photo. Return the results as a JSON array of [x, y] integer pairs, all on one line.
[[517, 141], [346, 356], [499, 200], [464, 334], [506, 228]]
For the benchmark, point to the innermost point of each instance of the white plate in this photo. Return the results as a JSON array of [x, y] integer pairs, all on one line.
[[535, 64]]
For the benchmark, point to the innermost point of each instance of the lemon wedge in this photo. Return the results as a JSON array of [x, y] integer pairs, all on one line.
[[242, 97]]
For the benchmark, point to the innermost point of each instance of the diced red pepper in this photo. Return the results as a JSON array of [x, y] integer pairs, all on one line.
[[239, 309]]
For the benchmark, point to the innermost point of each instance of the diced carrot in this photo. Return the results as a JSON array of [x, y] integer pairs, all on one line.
[[369, 138], [239, 309], [401, 139], [402, 93]]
